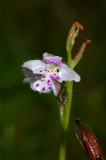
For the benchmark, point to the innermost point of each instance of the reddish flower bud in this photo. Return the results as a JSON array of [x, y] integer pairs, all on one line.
[[87, 41], [78, 25], [89, 142], [80, 52], [70, 35]]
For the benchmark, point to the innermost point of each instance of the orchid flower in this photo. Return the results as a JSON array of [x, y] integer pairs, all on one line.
[[41, 74]]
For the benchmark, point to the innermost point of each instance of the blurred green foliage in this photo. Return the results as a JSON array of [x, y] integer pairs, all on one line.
[[29, 122]]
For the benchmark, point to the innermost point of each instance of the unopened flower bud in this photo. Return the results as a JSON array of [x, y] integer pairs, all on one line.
[[80, 52]]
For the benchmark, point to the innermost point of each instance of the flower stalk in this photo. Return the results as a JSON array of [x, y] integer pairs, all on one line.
[[73, 33]]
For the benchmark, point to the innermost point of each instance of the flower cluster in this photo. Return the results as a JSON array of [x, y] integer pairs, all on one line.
[[41, 74]]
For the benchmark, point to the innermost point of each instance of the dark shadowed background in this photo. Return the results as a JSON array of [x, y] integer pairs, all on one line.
[[29, 122]]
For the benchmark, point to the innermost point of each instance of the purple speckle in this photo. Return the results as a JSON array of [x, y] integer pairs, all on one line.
[[37, 85], [54, 74], [45, 70], [48, 71], [51, 71], [49, 87], [57, 77], [44, 76], [48, 81], [40, 70], [51, 77], [43, 88]]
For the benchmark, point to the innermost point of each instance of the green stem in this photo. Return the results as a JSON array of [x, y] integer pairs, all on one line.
[[62, 154], [61, 112], [65, 121], [67, 110]]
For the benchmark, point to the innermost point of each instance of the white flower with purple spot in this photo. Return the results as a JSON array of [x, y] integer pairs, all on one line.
[[41, 74]]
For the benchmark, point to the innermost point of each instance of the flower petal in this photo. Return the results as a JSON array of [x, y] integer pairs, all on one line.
[[41, 71], [50, 58], [34, 64], [29, 73], [67, 74], [41, 86], [32, 78], [54, 89]]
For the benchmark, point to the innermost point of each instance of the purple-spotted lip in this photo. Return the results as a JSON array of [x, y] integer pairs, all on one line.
[[53, 77], [54, 60]]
